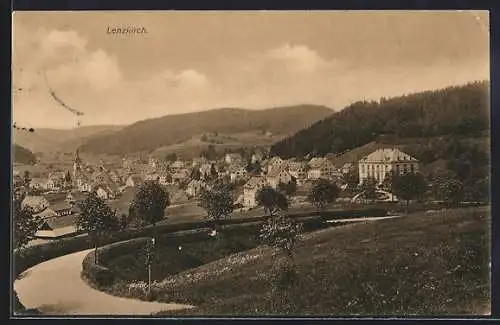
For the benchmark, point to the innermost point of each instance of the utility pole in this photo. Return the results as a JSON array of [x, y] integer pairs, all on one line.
[[149, 251]]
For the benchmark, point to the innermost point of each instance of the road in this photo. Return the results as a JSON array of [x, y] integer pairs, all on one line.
[[55, 287], [360, 219]]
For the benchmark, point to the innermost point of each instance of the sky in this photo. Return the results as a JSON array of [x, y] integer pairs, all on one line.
[[194, 61]]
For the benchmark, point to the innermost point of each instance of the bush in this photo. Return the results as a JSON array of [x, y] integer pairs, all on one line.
[[18, 306], [97, 275]]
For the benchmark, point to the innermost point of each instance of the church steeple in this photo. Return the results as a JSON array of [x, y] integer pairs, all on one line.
[[77, 165]]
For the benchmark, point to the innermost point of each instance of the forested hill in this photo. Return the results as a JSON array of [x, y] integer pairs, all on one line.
[[151, 134], [460, 110], [22, 155]]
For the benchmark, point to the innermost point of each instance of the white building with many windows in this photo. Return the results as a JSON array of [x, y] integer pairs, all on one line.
[[382, 161]]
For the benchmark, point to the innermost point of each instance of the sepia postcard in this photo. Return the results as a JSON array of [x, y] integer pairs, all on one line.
[[251, 164]]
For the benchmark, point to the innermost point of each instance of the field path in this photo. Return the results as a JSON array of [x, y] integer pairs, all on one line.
[[55, 287]]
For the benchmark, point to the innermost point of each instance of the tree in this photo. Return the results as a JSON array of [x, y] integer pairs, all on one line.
[[409, 186], [478, 190], [149, 203], [210, 153], [195, 174], [351, 179], [254, 168], [369, 188], [447, 187], [272, 201], [450, 190], [322, 193], [171, 157], [388, 181], [67, 177], [213, 172], [97, 219], [26, 178], [218, 202], [25, 224], [289, 189], [282, 233], [169, 178]]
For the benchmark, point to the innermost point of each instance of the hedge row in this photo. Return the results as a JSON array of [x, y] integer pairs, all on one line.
[[33, 255], [100, 275]]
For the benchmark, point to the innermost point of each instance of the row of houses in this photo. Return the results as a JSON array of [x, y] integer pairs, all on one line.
[[58, 213]]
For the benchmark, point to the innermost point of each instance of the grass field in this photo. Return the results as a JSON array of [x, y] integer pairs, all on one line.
[[417, 265], [170, 260]]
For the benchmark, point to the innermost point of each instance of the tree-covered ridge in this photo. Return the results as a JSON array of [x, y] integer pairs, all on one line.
[[22, 155], [458, 110], [151, 134]]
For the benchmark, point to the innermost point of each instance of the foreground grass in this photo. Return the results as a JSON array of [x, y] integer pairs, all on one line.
[[170, 260], [417, 265]]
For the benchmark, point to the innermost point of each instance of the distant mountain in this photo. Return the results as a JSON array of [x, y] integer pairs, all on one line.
[[459, 111], [63, 140], [152, 134], [22, 155]]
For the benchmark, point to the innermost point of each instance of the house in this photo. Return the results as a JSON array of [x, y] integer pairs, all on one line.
[[180, 175], [321, 168], [274, 163], [122, 203], [237, 172], [84, 183], [250, 190], [153, 163], [383, 161], [58, 178], [114, 176], [198, 161], [37, 183], [61, 208], [101, 177], [58, 227], [50, 185], [134, 180], [258, 155], [73, 197], [276, 176], [107, 191], [233, 158], [177, 165], [297, 169], [205, 170], [195, 187], [37, 203], [152, 177], [164, 178], [122, 175], [46, 214], [348, 167]]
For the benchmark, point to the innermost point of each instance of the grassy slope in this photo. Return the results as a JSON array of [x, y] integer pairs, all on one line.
[[194, 146], [421, 264]]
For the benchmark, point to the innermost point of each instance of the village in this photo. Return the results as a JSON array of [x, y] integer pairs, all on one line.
[[54, 197]]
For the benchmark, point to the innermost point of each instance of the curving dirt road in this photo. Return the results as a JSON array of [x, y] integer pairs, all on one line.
[[55, 287]]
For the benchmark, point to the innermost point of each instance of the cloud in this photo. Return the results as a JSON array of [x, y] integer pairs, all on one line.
[[64, 56], [97, 70], [298, 58], [287, 74], [61, 44]]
